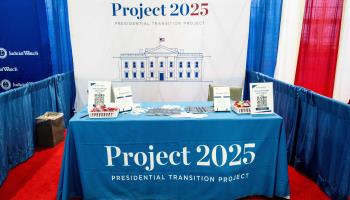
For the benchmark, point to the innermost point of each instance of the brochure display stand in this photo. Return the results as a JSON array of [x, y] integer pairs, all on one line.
[[222, 101], [123, 98], [261, 98]]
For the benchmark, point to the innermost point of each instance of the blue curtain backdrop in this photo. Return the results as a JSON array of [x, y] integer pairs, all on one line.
[[59, 36], [318, 134], [23, 29], [17, 127], [264, 28], [40, 27], [19, 108]]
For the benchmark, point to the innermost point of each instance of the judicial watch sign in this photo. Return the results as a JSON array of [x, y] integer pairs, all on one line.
[[11, 68], [24, 50], [4, 53]]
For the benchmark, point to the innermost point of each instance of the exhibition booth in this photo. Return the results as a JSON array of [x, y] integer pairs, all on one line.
[[178, 100]]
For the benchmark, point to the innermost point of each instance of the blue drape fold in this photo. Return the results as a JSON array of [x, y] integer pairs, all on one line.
[[318, 134], [18, 110], [16, 127], [264, 28], [65, 94], [59, 36], [43, 96]]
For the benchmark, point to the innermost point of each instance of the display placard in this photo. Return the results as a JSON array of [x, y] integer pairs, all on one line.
[[222, 101], [261, 98], [99, 94], [123, 98]]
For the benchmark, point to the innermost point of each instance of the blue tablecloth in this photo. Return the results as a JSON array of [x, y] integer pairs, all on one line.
[[222, 156]]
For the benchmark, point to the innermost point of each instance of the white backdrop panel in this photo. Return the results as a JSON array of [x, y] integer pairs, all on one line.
[[103, 39], [290, 33], [342, 78]]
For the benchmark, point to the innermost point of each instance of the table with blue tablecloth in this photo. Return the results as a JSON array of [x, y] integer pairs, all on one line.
[[221, 156]]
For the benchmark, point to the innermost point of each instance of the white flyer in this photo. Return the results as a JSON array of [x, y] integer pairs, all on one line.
[[99, 94], [222, 101], [123, 98], [261, 98]]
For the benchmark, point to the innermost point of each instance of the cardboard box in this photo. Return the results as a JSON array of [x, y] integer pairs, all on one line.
[[49, 129]]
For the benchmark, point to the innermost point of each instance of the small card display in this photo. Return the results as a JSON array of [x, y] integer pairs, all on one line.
[[261, 98], [123, 98], [99, 94], [222, 101]]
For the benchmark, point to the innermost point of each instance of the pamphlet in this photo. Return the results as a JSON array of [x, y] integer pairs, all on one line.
[[123, 98], [261, 98], [99, 94], [222, 101]]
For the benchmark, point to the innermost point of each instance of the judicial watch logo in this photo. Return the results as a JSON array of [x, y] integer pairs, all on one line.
[[5, 84], [3, 53]]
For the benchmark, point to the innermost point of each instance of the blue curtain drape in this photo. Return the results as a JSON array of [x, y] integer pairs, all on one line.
[[16, 128], [18, 110], [264, 28], [25, 29], [318, 134], [59, 36], [45, 33], [44, 88], [20, 107], [65, 94]]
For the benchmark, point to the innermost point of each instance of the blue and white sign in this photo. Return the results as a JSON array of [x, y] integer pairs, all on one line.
[[261, 98], [166, 50], [24, 45]]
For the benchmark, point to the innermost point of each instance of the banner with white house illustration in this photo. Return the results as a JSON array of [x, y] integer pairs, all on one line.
[[165, 50]]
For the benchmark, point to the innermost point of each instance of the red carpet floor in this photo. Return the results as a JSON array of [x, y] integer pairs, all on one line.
[[38, 179]]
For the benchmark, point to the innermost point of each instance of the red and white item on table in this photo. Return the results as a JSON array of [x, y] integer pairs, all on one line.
[[241, 107], [103, 112]]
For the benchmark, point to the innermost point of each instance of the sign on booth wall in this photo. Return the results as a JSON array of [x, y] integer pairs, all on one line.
[[24, 43], [166, 50]]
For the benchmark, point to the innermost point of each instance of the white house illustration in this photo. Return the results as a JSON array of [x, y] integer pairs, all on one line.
[[161, 64]]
